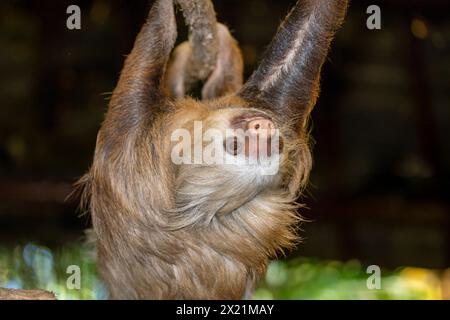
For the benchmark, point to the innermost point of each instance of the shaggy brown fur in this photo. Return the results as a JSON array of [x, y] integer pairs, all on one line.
[[166, 231]]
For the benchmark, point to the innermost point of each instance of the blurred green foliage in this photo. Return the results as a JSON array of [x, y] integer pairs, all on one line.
[[33, 266], [307, 278]]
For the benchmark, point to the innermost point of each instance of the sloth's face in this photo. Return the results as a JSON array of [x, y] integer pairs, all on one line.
[[225, 153], [237, 138]]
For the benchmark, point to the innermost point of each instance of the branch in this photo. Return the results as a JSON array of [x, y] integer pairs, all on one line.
[[15, 294], [201, 19]]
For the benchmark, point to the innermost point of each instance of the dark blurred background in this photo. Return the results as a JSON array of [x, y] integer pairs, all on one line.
[[380, 187]]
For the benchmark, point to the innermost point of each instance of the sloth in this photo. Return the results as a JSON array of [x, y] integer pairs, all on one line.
[[168, 229]]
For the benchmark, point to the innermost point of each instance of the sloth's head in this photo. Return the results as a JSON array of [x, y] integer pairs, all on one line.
[[224, 153]]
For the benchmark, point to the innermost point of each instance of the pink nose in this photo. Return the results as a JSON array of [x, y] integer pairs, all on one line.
[[262, 127]]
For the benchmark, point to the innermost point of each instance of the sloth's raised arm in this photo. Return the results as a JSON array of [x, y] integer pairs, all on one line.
[[287, 80], [140, 86]]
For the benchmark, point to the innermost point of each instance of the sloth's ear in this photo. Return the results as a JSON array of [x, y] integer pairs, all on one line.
[[287, 80]]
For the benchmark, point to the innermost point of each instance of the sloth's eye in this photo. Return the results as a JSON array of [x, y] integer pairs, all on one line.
[[233, 145]]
